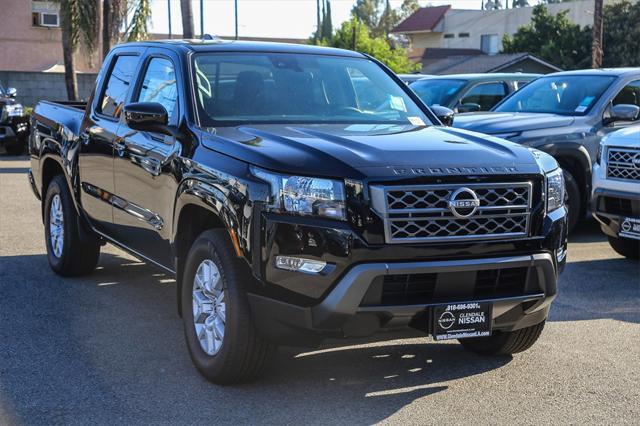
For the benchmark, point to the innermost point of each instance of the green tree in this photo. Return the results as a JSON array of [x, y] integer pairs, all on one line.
[[621, 40], [325, 29], [519, 3], [354, 35], [553, 38], [408, 7], [367, 12], [388, 20]]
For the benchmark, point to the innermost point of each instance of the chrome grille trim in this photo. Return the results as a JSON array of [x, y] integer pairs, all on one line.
[[420, 213], [620, 164]]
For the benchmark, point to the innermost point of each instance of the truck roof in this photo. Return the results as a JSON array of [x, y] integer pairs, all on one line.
[[221, 45], [619, 72]]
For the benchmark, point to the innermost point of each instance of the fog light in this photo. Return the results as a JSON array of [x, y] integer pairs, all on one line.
[[299, 264]]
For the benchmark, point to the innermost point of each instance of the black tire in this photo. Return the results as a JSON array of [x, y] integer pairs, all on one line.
[[243, 354], [504, 342], [572, 200], [626, 247], [78, 256]]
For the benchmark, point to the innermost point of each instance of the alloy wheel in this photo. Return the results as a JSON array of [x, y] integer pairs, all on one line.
[[209, 307], [56, 225]]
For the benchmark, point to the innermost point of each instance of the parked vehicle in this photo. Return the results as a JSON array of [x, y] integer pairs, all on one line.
[[469, 92], [566, 114], [289, 214], [616, 190], [410, 78], [14, 127]]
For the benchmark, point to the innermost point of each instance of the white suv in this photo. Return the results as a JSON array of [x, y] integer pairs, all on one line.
[[616, 190]]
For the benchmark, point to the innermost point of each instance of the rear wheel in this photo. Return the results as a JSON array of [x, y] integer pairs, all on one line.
[[626, 247], [505, 342], [219, 329], [68, 253], [572, 200]]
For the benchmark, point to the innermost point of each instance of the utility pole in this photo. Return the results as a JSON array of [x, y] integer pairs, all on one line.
[[169, 13], [187, 18], [235, 5], [202, 18], [596, 47]]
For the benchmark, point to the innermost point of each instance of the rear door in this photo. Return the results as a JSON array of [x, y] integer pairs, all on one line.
[[486, 95], [145, 180], [100, 128]]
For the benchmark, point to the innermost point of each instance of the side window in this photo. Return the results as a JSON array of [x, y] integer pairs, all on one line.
[[486, 95], [159, 85], [630, 94], [118, 84]]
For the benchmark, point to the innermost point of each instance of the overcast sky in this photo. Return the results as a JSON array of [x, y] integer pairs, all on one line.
[[266, 18]]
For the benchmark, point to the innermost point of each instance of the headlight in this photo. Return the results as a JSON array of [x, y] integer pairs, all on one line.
[[305, 195], [555, 190], [12, 110]]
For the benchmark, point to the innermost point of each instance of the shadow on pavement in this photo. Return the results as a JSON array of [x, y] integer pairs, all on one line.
[[109, 348]]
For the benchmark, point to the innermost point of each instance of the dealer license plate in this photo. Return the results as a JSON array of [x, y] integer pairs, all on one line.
[[630, 228], [462, 320]]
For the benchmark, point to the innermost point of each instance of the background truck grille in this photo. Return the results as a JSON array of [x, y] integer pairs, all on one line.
[[620, 163], [422, 213]]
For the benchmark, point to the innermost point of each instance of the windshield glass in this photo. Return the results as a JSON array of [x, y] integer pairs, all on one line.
[[437, 91], [298, 88], [563, 94]]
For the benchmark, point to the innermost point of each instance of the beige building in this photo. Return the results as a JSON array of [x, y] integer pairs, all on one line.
[[30, 38], [445, 27]]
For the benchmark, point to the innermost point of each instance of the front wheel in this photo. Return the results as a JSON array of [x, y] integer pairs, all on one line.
[[572, 200], [68, 252], [504, 342], [219, 329], [626, 247]]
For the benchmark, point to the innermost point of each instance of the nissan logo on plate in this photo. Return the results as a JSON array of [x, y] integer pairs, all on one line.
[[463, 203]]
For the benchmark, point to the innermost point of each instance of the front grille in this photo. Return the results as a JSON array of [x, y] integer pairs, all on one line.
[[422, 213], [411, 289], [623, 163]]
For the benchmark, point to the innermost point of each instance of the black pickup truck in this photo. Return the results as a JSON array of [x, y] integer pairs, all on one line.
[[257, 176]]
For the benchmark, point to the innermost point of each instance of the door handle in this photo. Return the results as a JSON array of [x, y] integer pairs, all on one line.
[[120, 146], [151, 165]]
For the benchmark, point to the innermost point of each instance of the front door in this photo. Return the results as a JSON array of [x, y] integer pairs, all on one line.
[[95, 161], [145, 180]]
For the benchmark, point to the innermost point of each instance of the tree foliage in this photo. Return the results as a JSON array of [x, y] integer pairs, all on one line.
[[354, 35], [553, 38], [621, 40], [380, 17], [325, 30]]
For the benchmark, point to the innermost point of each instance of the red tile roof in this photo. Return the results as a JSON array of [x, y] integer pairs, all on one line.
[[423, 19]]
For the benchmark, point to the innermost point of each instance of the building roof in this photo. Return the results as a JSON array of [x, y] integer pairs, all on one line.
[[462, 64], [423, 19], [420, 54]]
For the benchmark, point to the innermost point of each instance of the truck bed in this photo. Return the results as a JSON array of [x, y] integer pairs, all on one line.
[[51, 114]]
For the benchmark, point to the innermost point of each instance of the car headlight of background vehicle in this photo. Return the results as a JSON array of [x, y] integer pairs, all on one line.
[[12, 110], [555, 190], [304, 195]]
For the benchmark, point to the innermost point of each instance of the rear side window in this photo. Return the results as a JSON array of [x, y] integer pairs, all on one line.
[[159, 85], [118, 83], [486, 95]]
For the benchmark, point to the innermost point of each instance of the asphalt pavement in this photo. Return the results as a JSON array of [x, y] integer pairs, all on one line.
[[109, 349]]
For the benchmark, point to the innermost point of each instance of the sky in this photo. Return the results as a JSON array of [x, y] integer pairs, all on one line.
[[265, 18]]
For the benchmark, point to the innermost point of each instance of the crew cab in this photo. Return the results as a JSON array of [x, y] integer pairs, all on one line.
[[616, 190], [288, 211], [565, 114]]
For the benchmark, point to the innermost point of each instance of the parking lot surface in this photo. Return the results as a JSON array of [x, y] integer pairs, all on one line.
[[109, 348]]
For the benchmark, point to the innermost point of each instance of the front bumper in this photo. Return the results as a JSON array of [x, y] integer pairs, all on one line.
[[8, 138], [13, 133], [356, 305], [610, 207]]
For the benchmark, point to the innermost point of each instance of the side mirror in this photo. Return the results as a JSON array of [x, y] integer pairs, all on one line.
[[444, 114], [12, 92], [469, 107], [623, 112], [147, 117]]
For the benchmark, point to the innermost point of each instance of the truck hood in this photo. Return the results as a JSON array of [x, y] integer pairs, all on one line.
[[361, 151], [509, 122]]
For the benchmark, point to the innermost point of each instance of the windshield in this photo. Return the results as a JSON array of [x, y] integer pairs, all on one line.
[[562, 94], [298, 88], [437, 91]]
